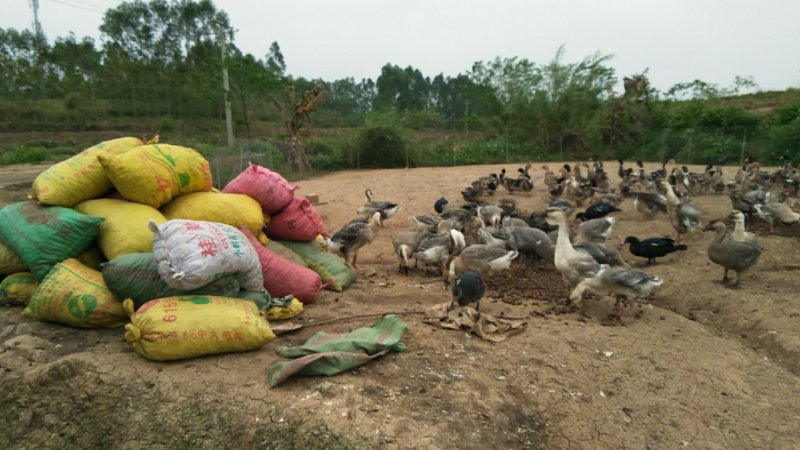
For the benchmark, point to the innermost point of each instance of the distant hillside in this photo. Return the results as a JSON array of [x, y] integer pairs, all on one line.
[[762, 103]]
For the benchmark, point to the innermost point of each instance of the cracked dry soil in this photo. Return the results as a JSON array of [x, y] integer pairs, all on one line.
[[703, 366]]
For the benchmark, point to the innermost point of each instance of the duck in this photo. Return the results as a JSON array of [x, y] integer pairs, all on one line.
[[474, 191], [481, 258], [596, 211], [425, 222], [776, 213], [595, 230], [626, 284], [531, 241], [439, 205], [437, 249], [565, 205], [498, 239], [684, 217], [523, 183], [602, 253], [468, 289], [387, 209], [405, 244], [514, 222], [491, 215], [649, 204], [653, 248], [739, 233], [550, 178], [730, 254], [573, 265], [352, 236]]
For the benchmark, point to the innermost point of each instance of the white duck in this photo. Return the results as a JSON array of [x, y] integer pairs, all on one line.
[[624, 283], [483, 259], [573, 265]]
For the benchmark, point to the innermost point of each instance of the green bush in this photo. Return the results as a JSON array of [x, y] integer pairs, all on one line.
[[382, 147], [167, 124], [23, 155]]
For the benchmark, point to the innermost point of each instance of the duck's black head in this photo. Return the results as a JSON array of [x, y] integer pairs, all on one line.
[[631, 240]]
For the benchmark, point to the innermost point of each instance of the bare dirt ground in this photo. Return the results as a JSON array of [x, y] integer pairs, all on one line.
[[704, 366]]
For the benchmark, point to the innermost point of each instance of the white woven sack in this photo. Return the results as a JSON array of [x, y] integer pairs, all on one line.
[[192, 253]]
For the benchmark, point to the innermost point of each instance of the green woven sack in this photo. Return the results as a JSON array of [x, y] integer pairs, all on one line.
[[135, 276], [286, 252], [334, 271], [43, 236]]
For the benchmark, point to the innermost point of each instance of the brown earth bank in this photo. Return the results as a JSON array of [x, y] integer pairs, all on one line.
[[703, 366]]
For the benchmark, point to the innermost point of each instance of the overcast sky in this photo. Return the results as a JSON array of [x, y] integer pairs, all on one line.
[[678, 40]]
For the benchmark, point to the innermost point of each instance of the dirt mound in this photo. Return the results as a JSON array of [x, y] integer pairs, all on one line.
[[694, 370]]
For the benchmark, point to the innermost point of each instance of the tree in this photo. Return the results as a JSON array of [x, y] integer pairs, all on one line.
[[275, 63], [401, 89], [300, 108], [23, 57], [75, 65], [252, 80]]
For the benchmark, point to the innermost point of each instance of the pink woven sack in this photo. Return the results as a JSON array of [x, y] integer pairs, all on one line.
[[298, 221], [283, 277], [267, 187]]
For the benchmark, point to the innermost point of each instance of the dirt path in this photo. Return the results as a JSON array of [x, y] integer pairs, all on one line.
[[703, 367]]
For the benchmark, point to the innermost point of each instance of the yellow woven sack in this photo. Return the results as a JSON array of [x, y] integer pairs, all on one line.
[[81, 177], [9, 261], [75, 295], [231, 209], [286, 312], [154, 174], [17, 289], [173, 328], [125, 228]]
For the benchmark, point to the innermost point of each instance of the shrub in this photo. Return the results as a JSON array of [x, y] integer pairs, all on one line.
[[167, 125], [382, 147], [23, 155]]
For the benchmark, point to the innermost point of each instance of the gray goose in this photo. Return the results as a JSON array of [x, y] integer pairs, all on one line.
[[730, 254]]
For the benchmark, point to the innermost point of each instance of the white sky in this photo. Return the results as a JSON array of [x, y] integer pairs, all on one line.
[[678, 40]]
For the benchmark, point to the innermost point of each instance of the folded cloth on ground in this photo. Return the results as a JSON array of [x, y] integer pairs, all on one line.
[[332, 353]]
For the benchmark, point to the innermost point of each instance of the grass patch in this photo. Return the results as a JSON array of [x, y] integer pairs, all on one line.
[[70, 406], [23, 155]]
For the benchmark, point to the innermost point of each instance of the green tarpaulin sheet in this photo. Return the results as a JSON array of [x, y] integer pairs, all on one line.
[[329, 354]]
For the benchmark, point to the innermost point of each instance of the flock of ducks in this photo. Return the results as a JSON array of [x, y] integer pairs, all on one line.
[[468, 244]]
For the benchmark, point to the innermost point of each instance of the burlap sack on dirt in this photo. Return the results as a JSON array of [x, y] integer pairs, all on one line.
[[9, 261], [334, 271], [269, 188], [283, 277], [192, 253], [135, 276], [45, 235], [286, 252], [235, 210], [298, 221], [80, 177], [75, 295], [124, 229], [155, 174], [17, 289], [189, 326]]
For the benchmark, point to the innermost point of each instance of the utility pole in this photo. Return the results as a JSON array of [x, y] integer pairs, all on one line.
[[225, 86], [37, 26]]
